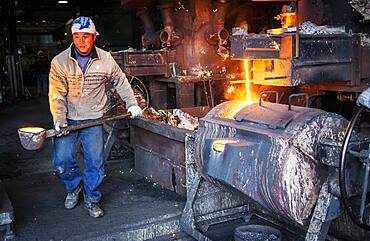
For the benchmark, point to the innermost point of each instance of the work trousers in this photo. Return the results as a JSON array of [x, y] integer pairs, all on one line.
[[64, 159]]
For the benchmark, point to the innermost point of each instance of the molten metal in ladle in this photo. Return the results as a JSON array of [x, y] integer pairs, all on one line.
[[32, 138]]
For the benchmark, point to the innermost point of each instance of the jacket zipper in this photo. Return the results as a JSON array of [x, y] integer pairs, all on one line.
[[83, 73]]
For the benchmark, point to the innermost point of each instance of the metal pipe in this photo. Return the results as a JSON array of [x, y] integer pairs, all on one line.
[[220, 34], [219, 17], [149, 36], [166, 34], [296, 31], [145, 18]]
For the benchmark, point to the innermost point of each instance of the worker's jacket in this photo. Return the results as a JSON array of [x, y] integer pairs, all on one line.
[[79, 96]]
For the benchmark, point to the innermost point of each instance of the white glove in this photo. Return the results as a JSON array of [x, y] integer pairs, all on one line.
[[135, 111], [58, 128]]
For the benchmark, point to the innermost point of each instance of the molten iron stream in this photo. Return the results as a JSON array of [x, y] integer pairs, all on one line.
[[247, 82], [242, 92]]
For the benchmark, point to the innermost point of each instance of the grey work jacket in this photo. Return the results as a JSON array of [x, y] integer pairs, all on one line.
[[78, 96]]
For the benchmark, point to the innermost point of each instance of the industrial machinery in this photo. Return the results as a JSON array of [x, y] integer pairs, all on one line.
[[274, 164], [281, 163], [355, 158], [183, 54]]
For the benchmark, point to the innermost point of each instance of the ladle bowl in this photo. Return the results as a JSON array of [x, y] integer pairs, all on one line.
[[32, 138]]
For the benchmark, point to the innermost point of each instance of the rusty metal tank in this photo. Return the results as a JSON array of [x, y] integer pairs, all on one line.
[[274, 155]]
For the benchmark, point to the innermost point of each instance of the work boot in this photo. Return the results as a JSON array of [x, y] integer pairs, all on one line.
[[72, 198], [93, 207]]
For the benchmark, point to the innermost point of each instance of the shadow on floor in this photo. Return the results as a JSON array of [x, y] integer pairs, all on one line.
[[128, 201]]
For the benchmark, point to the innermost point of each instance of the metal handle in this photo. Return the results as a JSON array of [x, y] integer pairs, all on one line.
[[297, 95], [97, 122], [269, 92]]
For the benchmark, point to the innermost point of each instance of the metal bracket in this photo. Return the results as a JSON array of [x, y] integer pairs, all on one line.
[[327, 208], [267, 93], [297, 95]]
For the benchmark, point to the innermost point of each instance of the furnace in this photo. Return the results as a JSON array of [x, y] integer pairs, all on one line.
[[321, 58]]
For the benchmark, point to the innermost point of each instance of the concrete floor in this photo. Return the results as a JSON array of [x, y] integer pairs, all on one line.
[[135, 208], [14, 159]]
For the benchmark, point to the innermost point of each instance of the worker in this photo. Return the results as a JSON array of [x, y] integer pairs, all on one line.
[[42, 70], [77, 94]]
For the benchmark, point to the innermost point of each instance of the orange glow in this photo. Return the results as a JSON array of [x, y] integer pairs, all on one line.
[[32, 129], [247, 82], [242, 91], [287, 19], [251, 96], [235, 92], [219, 145]]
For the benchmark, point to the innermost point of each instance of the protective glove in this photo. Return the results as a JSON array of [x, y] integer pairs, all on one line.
[[58, 128], [135, 111]]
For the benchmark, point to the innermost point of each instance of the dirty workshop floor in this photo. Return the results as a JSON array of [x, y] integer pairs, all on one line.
[[134, 207]]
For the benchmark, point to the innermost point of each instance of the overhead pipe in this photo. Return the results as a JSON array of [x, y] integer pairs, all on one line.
[[149, 37], [220, 35], [167, 34], [219, 20]]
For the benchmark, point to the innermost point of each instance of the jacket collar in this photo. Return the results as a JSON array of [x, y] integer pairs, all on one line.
[[94, 52]]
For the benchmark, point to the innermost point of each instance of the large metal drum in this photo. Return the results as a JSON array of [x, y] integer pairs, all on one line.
[[276, 157]]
